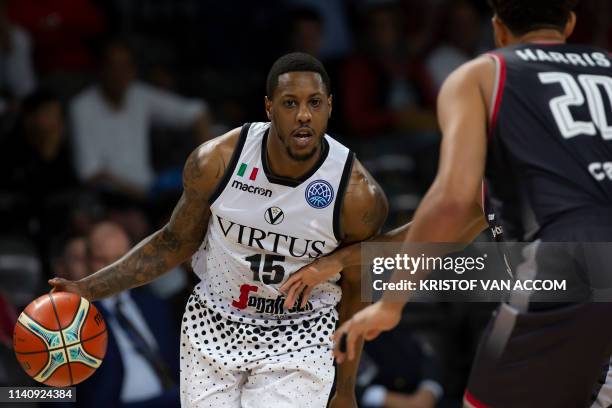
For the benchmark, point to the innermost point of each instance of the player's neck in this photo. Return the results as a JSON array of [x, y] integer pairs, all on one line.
[[281, 164], [547, 36]]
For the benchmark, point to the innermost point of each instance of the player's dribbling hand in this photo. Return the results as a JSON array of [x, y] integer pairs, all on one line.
[[63, 285], [367, 323], [304, 280]]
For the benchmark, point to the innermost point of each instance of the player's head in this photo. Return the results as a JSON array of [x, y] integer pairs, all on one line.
[[514, 19], [106, 243], [298, 103]]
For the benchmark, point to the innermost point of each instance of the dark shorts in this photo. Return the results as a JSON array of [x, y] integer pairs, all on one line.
[[538, 353], [550, 358]]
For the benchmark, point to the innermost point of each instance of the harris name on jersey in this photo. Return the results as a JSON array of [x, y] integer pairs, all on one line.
[[584, 59]]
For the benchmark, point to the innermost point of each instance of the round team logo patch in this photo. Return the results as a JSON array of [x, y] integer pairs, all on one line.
[[274, 215], [319, 194]]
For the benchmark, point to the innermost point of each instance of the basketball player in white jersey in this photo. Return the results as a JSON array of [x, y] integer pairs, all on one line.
[[260, 202]]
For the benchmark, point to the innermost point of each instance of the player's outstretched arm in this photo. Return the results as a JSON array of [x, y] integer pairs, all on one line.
[[363, 214], [173, 243], [448, 211]]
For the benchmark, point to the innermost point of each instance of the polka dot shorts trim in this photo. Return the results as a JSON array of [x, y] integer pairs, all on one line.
[[227, 363]]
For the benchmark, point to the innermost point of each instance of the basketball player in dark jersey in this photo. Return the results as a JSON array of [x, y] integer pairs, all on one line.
[[534, 118]]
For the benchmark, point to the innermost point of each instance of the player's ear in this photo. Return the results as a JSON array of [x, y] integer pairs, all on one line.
[[569, 26], [268, 104], [500, 31], [329, 103]]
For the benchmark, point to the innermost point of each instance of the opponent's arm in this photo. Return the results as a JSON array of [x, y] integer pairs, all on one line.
[[173, 243], [350, 256], [448, 209], [363, 214]]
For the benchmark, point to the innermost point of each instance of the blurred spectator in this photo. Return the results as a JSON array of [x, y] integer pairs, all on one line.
[[388, 102], [306, 31], [16, 73], [37, 153], [36, 167], [170, 146], [71, 262], [384, 89], [60, 30], [461, 33], [141, 364], [421, 23], [111, 122], [411, 381], [329, 21]]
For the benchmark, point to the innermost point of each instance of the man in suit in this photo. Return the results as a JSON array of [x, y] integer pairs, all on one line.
[[141, 365]]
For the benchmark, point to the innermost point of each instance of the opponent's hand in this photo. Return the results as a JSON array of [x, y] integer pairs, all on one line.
[[63, 285], [367, 323], [343, 400], [304, 280]]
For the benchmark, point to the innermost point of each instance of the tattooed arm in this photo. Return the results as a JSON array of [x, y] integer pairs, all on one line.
[[177, 240], [363, 214]]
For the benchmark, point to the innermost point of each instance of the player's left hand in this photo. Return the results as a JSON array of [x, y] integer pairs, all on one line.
[[343, 400], [367, 323], [303, 281]]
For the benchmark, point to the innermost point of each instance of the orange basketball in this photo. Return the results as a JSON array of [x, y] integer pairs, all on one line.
[[60, 339]]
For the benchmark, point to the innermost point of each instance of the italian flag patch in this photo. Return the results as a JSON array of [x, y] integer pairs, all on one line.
[[243, 169]]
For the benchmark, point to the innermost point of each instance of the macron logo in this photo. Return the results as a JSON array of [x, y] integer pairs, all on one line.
[[251, 189]]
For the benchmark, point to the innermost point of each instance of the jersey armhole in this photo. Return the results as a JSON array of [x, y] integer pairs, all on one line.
[[498, 90], [346, 175], [231, 165]]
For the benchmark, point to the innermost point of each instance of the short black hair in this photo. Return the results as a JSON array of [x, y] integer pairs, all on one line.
[[295, 61], [522, 16]]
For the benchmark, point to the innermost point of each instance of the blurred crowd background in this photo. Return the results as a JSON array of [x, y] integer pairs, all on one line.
[[102, 100]]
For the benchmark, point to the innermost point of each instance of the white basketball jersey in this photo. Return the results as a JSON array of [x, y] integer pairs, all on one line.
[[264, 228]]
